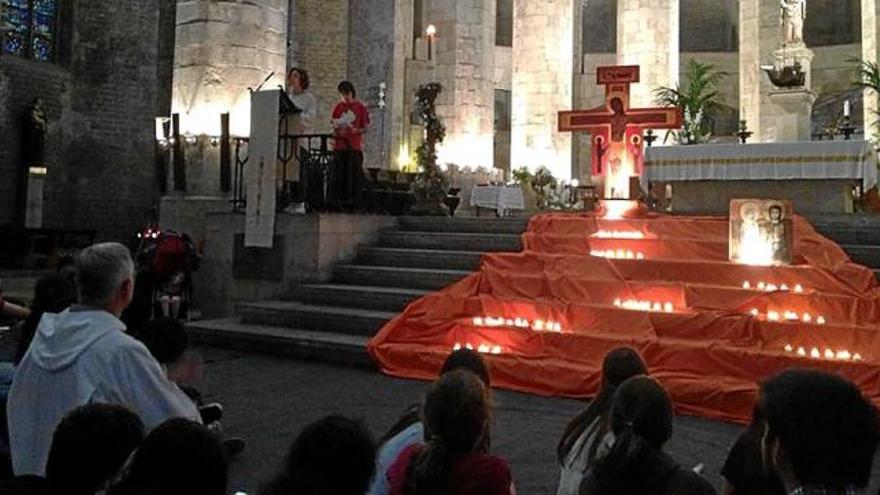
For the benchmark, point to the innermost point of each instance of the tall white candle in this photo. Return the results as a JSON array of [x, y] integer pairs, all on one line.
[[846, 108]]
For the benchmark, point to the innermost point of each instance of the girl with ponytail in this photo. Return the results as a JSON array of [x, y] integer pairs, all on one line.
[[588, 436], [641, 420], [457, 414]]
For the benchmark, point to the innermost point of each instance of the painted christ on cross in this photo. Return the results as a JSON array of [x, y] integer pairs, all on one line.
[[616, 129]]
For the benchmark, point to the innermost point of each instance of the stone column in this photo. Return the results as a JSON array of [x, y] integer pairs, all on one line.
[[772, 114], [543, 57], [464, 63], [221, 49], [647, 35], [870, 53]]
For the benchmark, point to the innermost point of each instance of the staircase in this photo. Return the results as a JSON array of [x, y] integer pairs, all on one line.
[[333, 321]]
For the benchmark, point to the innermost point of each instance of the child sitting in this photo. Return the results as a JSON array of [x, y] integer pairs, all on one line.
[[168, 342]]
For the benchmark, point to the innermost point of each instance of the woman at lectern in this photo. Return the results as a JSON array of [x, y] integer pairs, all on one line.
[[297, 85]]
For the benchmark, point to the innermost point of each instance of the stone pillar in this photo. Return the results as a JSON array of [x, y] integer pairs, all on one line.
[[647, 35], [772, 114], [222, 48], [543, 57], [870, 53], [464, 64]]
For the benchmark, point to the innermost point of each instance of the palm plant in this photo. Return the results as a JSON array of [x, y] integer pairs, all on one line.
[[697, 98], [868, 78]]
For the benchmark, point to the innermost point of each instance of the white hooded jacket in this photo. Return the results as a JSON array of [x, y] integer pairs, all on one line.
[[80, 356]]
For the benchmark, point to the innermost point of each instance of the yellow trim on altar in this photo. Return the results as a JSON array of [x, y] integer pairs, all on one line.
[[761, 160]]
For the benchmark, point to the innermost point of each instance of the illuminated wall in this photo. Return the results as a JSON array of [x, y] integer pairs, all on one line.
[[543, 58], [647, 35], [464, 63], [222, 48]]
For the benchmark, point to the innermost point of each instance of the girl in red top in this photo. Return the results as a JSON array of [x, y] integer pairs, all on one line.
[[457, 414], [350, 120]]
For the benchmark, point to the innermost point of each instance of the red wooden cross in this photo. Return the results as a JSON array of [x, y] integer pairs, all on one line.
[[617, 129]]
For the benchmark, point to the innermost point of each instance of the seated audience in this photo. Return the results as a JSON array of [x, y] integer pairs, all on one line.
[[179, 457], [90, 446], [333, 456], [457, 413], [641, 421], [588, 436], [83, 355], [744, 470], [819, 433], [167, 341], [409, 429], [53, 294]]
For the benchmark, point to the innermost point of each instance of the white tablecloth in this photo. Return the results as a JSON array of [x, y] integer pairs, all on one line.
[[498, 198], [816, 160]]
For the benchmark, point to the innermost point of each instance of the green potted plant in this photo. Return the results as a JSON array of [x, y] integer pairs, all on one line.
[[698, 99]]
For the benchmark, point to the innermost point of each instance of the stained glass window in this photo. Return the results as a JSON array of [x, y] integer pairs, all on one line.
[[28, 28]]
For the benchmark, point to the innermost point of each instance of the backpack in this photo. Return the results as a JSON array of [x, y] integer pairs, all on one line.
[[174, 252]]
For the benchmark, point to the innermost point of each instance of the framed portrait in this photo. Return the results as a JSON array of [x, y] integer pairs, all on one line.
[[761, 231]]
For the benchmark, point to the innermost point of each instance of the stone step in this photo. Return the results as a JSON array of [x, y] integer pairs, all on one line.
[[864, 255], [336, 348], [851, 235], [356, 296], [389, 276], [419, 258], [291, 314], [450, 241], [465, 225]]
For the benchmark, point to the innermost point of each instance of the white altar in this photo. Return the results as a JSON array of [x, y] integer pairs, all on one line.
[[818, 176]]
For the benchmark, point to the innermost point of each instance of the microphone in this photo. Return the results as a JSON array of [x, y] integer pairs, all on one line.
[[262, 83]]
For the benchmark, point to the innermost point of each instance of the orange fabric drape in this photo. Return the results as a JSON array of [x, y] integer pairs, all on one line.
[[710, 351]]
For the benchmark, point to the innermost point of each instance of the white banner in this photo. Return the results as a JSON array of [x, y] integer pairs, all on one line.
[[260, 170]]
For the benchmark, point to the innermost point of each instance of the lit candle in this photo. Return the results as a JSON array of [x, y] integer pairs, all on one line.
[[857, 357], [478, 321], [747, 285], [815, 354], [771, 287], [783, 287], [668, 307], [798, 288], [820, 320], [484, 348], [801, 352], [846, 108], [829, 354], [640, 256], [761, 285], [496, 350], [788, 348], [538, 325], [772, 315], [807, 318], [754, 311], [457, 346]]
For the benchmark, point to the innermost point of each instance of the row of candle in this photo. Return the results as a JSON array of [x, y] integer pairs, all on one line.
[[619, 254], [789, 315], [768, 287], [482, 348], [829, 354], [537, 325], [619, 234], [636, 305]]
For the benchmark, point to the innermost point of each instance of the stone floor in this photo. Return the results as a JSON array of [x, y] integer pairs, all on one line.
[[268, 400]]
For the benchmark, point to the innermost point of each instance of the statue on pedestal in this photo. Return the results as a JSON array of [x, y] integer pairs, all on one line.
[[35, 128], [794, 12]]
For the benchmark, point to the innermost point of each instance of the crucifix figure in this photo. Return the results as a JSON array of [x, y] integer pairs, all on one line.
[[617, 129]]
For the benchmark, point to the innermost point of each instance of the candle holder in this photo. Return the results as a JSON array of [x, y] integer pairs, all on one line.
[[650, 137], [847, 128], [744, 133]]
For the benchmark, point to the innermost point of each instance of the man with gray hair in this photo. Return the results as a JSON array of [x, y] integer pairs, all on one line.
[[83, 355]]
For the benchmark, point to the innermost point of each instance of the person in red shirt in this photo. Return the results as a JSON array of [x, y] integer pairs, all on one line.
[[457, 414], [350, 120]]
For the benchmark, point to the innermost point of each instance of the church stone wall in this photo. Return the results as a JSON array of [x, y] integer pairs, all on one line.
[[100, 104], [370, 62], [319, 43]]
